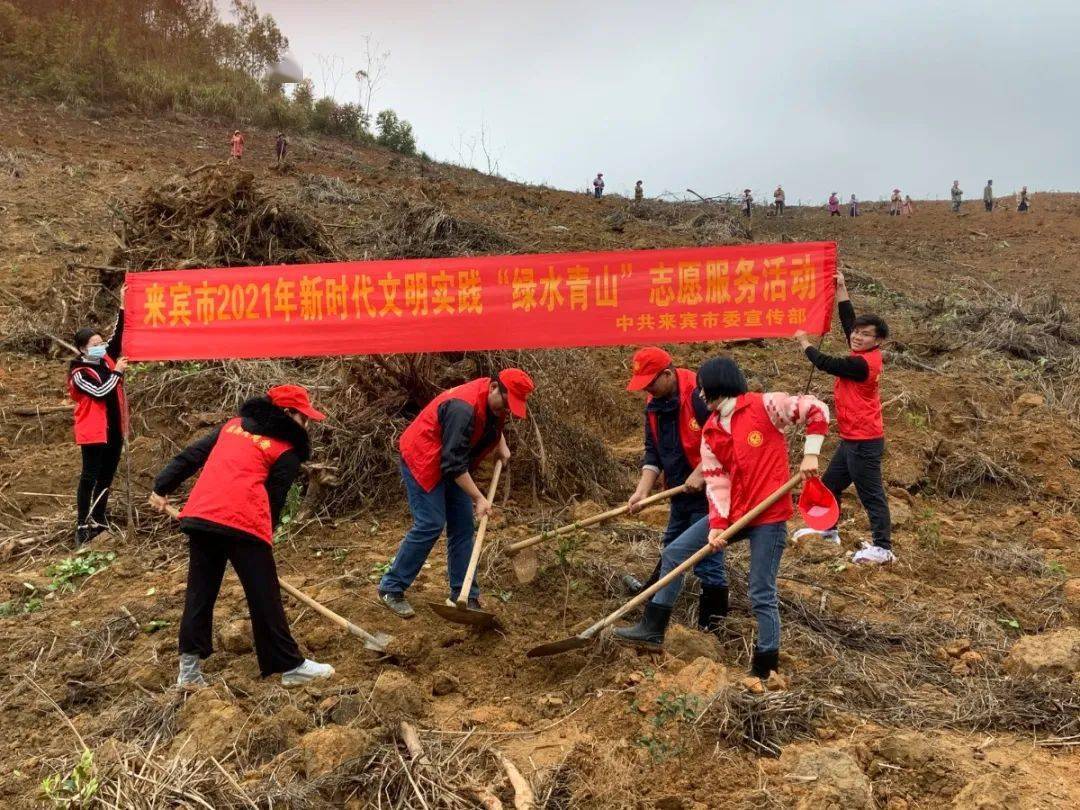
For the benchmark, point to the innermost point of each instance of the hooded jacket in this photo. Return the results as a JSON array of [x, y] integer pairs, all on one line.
[[248, 465]]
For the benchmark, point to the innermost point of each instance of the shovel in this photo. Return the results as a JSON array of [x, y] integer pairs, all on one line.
[[459, 611], [376, 642], [588, 636], [524, 559]]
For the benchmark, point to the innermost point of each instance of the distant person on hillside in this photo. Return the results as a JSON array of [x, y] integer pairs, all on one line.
[[857, 401], [281, 146], [598, 185], [96, 384], [237, 146], [1024, 203], [748, 202], [895, 203], [988, 195], [957, 195], [778, 200], [908, 207], [853, 207], [639, 192], [834, 205]]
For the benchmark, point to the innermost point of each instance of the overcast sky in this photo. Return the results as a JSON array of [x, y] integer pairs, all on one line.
[[716, 96]]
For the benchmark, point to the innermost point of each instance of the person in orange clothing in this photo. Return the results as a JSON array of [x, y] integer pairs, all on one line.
[[236, 146]]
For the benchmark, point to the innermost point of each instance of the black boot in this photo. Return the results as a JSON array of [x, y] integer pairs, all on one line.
[[764, 662], [649, 632], [712, 607]]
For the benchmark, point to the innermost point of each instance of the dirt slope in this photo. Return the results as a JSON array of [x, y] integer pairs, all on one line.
[[901, 690]]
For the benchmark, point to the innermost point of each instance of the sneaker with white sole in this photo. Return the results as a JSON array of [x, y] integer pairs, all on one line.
[[831, 536], [190, 671], [306, 673], [870, 554]]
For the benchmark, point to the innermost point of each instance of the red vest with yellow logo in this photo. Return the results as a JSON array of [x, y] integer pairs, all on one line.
[[754, 455], [689, 429], [858, 404], [421, 443], [231, 490]]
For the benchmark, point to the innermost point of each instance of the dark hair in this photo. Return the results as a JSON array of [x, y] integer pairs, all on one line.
[[721, 377], [82, 337], [875, 321]]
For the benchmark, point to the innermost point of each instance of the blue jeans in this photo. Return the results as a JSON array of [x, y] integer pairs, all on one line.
[[681, 518], [767, 543], [448, 507]]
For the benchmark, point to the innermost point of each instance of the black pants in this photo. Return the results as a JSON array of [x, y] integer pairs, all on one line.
[[99, 463], [989, 205], [253, 561], [859, 463]]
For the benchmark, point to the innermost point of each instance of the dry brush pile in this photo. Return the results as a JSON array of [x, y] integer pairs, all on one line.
[[218, 216]]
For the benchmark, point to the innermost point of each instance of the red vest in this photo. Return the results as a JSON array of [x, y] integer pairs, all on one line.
[[858, 404], [421, 443], [92, 415], [231, 490], [689, 429], [755, 456]]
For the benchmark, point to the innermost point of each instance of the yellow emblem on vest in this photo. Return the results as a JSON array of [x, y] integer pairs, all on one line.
[[754, 438], [694, 425]]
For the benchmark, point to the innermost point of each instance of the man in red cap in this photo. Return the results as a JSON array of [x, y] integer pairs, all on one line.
[[439, 451], [248, 465], [674, 415]]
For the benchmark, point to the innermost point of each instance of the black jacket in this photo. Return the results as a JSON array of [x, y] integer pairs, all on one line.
[[457, 420], [852, 367], [258, 415]]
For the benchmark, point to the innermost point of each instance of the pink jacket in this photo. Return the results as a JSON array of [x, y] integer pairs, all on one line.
[[744, 453]]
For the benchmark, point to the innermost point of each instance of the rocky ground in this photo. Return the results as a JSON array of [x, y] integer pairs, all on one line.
[[948, 679]]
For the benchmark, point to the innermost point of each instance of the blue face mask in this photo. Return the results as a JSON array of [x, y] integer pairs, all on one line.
[[97, 352]]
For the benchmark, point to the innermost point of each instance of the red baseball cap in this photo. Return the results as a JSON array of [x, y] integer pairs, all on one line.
[[296, 398], [648, 362], [518, 386], [817, 505]]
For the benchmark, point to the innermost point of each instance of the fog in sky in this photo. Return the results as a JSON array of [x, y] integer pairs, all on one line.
[[717, 96]]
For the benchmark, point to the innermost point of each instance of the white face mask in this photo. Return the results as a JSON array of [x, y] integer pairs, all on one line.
[[97, 352]]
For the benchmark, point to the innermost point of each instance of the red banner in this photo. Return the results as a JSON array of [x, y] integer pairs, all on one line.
[[682, 295]]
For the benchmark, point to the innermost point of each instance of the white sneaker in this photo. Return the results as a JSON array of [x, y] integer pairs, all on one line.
[[306, 673], [832, 536], [873, 555], [190, 671]]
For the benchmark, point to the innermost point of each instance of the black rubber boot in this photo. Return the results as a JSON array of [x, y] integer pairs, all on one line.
[[712, 607], [649, 632], [765, 662]]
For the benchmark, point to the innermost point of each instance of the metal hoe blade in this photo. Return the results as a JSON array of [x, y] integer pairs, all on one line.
[[561, 646], [378, 642], [458, 615]]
